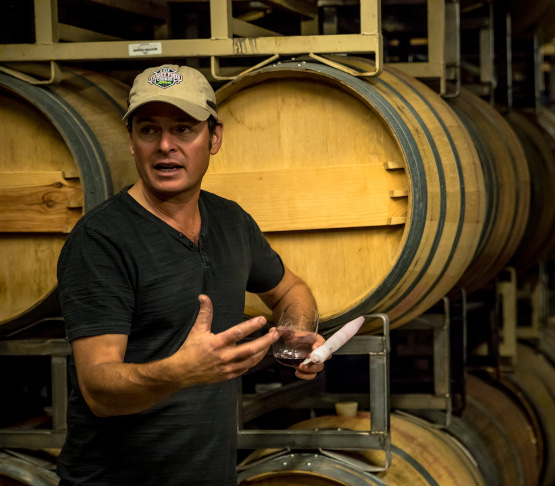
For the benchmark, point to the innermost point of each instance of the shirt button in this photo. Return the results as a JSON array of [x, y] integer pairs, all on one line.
[[181, 235]]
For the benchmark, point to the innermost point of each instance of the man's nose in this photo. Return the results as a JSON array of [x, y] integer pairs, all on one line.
[[166, 141]]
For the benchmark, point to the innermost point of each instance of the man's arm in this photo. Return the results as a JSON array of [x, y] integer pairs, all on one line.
[[293, 289], [289, 290], [112, 387]]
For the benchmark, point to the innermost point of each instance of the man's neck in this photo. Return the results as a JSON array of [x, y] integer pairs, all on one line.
[[181, 213]]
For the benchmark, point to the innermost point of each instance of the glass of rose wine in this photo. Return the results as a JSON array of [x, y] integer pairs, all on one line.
[[297, 328]]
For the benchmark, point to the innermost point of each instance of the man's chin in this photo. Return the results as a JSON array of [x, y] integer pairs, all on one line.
[[170, 191]]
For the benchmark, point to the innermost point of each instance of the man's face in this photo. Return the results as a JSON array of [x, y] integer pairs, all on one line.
[[171, 149]]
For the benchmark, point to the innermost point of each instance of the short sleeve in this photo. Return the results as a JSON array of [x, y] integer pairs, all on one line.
[[267, 268], [96, 292]]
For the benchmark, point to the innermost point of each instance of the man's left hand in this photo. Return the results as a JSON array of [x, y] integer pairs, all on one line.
[[309, 371]]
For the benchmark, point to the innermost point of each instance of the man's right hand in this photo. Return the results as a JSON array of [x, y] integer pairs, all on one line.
[[205, 357], [112, 387]]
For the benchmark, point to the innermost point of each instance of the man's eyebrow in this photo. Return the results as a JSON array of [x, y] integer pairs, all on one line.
[[145, 119]]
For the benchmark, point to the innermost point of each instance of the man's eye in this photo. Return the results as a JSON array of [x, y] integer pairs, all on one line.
[[147, 130], [182, 129]]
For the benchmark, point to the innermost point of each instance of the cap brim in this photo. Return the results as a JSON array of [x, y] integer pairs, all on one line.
[[195, 111]]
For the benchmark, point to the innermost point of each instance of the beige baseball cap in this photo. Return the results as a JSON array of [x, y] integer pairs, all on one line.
[[180, 86]]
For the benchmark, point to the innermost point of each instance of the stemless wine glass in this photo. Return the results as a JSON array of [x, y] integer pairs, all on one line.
[[297, 328]]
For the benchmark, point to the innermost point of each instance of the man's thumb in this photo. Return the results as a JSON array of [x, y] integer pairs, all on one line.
[[204, 318]]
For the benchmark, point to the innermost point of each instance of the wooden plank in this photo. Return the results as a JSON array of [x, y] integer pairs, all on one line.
[[393, 165], [39, 202], [395, 221], [68, 174], [312, 197]]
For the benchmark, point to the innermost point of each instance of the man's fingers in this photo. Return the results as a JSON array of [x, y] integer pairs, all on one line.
[[308, 371], [240, 331], [320, 341], [204, 319], [256, 346]]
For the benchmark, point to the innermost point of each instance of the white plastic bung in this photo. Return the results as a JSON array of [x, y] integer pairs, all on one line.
[[319, 355]]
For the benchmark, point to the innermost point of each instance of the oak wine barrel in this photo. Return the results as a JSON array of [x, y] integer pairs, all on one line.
[[369, 188], [307, 469], [546, 120], [17, 470], [507, 182], [421, 456], [534, 376], [539, 237], [65, 151], [498, 432]]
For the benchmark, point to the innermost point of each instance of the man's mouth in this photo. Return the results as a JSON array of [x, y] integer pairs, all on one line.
[[167, 167]]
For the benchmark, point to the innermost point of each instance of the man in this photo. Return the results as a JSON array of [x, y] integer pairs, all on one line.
[[152, 286]]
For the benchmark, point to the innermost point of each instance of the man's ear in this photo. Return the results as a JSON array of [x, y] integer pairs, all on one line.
[[130, 140], [217, 138]]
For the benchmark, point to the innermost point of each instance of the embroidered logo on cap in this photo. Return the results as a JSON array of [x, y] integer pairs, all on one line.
[[165, 78]]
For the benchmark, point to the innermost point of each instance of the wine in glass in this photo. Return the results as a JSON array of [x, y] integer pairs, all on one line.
[[297, 329]]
